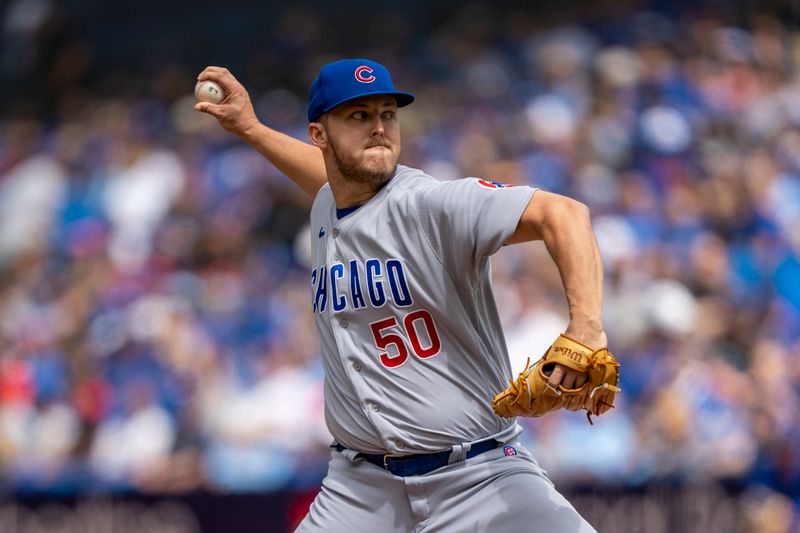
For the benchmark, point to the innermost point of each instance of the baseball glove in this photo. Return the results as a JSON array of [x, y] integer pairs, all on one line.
[[531, 395]]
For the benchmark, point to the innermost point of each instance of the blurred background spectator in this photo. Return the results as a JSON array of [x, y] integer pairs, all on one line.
[[155, 332]]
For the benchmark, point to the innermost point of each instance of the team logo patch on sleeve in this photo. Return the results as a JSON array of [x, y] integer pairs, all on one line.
[[493, 184], [509, 451]]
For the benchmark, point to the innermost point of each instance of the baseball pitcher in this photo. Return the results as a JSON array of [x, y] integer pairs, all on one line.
[[417, 392]]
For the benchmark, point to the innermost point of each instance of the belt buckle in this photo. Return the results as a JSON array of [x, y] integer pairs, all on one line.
[[390, 456]]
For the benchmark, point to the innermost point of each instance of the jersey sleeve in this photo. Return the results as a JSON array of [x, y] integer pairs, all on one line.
[[469, 219]]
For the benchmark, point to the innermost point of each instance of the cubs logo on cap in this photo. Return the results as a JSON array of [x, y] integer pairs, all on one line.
[[348, 79], [364, 74]]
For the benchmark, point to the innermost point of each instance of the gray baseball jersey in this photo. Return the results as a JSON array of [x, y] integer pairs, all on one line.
[[412, 345]]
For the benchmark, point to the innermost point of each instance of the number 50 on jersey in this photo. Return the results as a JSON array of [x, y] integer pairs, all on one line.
[[416, 333]]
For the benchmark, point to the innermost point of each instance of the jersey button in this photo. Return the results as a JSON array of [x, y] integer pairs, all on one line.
[[357, 367], [375, 407], [335, 233], [337, 257], [400, 444], [344, 323]]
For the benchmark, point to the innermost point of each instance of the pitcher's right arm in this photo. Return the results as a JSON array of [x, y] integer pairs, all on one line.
[[300, 161]]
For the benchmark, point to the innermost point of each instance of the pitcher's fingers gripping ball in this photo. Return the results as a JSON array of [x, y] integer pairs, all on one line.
[[531, 395], [234, 110]]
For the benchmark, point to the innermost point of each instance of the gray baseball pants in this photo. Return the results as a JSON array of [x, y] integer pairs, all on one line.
[[492, 492]]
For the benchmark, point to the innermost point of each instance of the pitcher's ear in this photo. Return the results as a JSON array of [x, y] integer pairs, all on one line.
[[318, 135]]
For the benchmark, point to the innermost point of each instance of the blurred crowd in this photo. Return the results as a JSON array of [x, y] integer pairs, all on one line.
[[155, 324]]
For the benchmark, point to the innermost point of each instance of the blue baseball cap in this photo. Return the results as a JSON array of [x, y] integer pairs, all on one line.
[[347, 79]]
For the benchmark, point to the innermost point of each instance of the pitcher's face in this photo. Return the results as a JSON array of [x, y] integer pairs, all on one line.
[[364, 138]]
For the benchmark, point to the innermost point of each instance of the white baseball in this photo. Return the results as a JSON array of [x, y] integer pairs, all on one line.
[[208, 91]]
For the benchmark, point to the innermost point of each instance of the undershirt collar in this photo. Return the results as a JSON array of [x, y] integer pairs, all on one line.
[[341, 213]]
